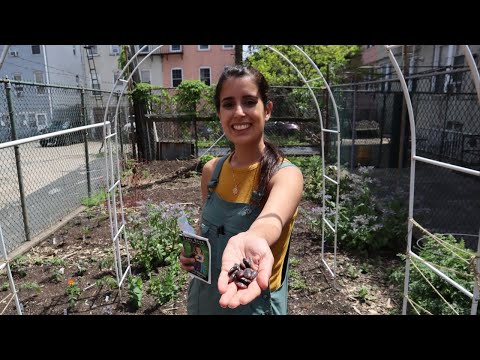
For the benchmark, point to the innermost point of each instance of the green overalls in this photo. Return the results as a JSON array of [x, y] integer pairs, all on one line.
[[221, 220]]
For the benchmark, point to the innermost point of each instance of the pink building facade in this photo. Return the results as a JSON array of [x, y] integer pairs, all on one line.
[[195, 62]]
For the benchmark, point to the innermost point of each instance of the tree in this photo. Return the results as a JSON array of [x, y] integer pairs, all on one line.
[[279, 72], [238, 54]]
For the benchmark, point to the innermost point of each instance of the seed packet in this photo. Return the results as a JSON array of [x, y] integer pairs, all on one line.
[[199, 248]]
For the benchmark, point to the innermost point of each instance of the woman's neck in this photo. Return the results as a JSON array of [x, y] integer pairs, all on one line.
[[244, 156]]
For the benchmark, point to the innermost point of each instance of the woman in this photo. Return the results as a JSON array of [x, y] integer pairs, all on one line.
[[199, 258], [250, 203]]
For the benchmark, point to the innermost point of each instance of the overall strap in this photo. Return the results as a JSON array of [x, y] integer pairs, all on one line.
[[216, 173], [257, 196], [285, 164]]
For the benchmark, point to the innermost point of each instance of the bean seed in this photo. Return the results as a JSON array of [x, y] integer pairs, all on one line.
[[247, 262], [245, 280], [234, 268], [242, 274], [248, 273], [240, 285], [239, 274]]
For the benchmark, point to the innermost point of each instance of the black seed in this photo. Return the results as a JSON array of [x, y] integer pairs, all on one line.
[[247, 262], [234, 268], [239, 274], [245, 280], [249, 274]]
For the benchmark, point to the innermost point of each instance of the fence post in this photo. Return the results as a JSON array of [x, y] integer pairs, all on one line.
[[327, 115], [195, 134], [403, 119], [444, 130], [13, 134], [119, 128], [382, 126], [83, 117], [354, 132]]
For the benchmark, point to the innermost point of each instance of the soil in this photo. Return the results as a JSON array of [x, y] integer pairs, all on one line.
[[76, 251]]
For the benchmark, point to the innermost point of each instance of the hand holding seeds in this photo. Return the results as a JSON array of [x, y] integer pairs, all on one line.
[[246, 268], [242, 274]]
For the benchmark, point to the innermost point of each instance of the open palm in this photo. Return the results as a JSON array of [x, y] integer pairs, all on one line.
[[244, 245]]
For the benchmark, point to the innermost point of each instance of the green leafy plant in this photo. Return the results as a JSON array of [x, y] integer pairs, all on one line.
[[31, 285], [55, 261], [311, 167], [363, 294], [453, 259], [352, 272], [135, 291], [296, 280], [96, 199], [155, 237], [57, 276], [19, 266], [73, 293], [167, 285], [188, 95], [106, 263], [108, 281], [81, 267], [204, 159], [5, 286], [366, 223]]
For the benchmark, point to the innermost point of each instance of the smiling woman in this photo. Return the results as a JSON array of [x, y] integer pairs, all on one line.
[[250, 203]]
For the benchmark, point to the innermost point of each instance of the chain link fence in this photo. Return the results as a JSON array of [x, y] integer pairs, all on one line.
[[44, 180], [447, 126], [294, 125], [371, 114]]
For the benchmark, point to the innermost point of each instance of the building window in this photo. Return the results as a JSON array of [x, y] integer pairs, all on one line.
[[35, 49], [114, 49], [92, 50], [177, 77], [439, 83], [18, 87], [454, 125], [227, 47], [175, 48], [41, 121], [21, 119], [38, 75], [145, 76], [144, 51], [458, 62], [205, 75], [203, 47], [31, 120], [4, 120]]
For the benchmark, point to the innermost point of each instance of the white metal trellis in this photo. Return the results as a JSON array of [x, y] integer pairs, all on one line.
[[113, 179], [118, 226], [5, 263], [476, 78], [331, 226]]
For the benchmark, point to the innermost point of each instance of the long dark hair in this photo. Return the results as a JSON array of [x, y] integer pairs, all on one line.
[[272, 156]]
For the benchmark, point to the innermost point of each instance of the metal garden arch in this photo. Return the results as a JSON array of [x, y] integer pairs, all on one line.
[[414, 158], [117, 224]]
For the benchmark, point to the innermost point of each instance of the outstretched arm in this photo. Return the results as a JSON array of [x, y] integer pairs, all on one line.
[[285, 193]]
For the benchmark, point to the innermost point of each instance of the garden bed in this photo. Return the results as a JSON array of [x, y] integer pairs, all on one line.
[[80, 252]]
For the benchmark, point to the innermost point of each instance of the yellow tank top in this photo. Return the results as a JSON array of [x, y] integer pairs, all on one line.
[[246, 180]]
